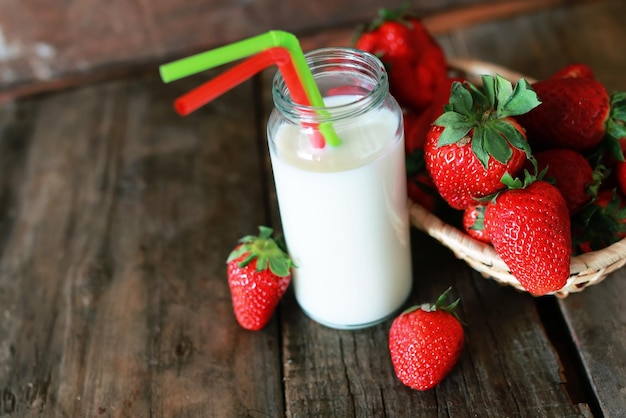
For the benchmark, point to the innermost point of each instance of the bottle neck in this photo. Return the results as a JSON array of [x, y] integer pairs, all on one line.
[[351, 81]]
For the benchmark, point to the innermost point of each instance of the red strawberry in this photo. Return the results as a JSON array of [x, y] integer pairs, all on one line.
[[572, 174], [259, 272], [425, 343], [600, 224], [476, 141], [575, 113], [474, 222], [529, 227], [576, 70], [414, 83], [414, 60], [394, 41]]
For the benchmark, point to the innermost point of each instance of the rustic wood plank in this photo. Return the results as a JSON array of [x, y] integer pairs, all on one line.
[[118, 216], [51, 47], [566, 35], [132, 317], [596, 318], [508, 367], [43, 41]]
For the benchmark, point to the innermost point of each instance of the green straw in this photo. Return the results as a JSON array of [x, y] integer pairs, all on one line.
[[228, 53]]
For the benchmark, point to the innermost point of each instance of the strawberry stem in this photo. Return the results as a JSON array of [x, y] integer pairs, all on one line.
[[438, 305]]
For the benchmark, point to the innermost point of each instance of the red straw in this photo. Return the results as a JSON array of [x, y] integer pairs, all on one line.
[[236, 75]]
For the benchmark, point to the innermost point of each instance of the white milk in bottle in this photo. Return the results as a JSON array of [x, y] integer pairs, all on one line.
[[343, 208]]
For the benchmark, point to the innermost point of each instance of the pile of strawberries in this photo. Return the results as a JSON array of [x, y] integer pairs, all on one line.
[[536, 170]]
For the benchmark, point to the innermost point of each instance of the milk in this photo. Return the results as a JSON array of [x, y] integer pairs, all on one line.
[[345, 219]]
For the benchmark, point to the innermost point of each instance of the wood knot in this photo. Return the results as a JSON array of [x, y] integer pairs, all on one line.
[[184, 347]]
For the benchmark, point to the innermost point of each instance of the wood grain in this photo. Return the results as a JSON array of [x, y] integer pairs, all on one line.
[[51, 47], [119, 219], [596, 318], [116, 217], [349, 373]]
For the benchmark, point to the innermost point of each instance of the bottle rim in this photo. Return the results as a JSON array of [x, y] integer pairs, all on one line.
[[323, 61]]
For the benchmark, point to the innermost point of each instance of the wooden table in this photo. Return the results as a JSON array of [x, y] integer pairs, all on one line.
[[116, 217]]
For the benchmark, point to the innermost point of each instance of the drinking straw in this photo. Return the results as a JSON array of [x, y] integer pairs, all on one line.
[[231, 78], [256, 44]]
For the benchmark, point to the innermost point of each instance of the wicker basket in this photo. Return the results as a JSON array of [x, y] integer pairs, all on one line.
[[586, 269]]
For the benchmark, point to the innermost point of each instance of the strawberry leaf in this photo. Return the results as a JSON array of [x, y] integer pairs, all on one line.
[[452, 135], [478, 147], [279, 266], [521, 100], [616, 125], [513, 136], [504, 94], [496, 145], [511, 182], [489, 86], [456, 126], [453, 119], [236, 253], [482, 103], [461, 99], [261, 263]]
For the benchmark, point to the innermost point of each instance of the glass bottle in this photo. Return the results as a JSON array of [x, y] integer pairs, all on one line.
[[343, 208]]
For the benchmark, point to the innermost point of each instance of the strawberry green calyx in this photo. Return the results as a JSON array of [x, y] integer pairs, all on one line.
[[399, 15], [616, 124], [599, 173], [600, 223], [265, 250], [485, 112], [438, 305], [527, 179], [479, 222]]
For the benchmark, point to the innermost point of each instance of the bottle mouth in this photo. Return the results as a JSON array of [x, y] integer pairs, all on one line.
[[357, 76]]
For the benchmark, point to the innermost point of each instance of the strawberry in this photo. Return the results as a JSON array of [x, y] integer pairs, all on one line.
[[529, 227], [259, 272], [576, 113], [476, 140], [577, 181], [600, 224], [576, 70], [414, 60], [474, 222], [425, 343]]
